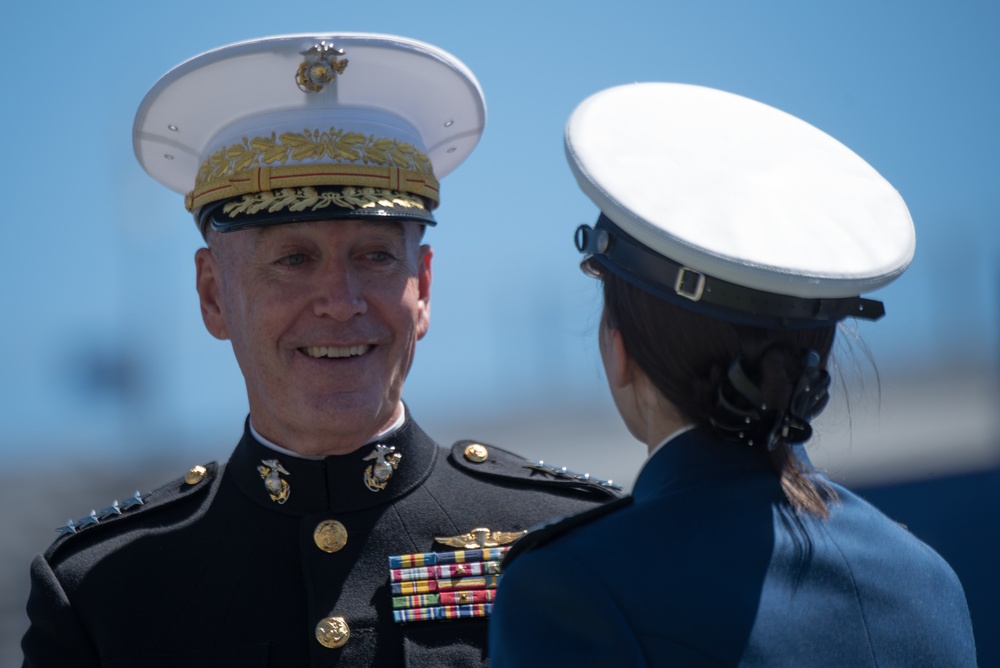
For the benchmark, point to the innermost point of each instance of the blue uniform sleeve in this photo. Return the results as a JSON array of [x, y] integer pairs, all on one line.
[[55, 636], [553, 611]]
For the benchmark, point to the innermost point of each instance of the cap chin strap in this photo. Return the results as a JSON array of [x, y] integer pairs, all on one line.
[[661, 276], [741, 415]]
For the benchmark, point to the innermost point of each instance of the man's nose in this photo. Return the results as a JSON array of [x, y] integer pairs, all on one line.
[[339, 293]]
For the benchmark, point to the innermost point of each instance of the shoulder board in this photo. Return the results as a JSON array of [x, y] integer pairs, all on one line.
[[552, 529], [488, 460], [197, 479]]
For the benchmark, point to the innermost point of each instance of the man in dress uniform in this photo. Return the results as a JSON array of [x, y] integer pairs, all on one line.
[[338, 533]]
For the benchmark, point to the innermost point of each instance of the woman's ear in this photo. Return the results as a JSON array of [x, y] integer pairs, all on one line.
[[617, 364]]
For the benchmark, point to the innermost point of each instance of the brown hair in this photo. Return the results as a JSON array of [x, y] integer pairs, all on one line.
[[686, 355]]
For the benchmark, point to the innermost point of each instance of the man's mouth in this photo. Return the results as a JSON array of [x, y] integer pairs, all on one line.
[[335, 351]]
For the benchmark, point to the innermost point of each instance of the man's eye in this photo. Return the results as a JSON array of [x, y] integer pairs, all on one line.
[[379, 256], [293, 260]]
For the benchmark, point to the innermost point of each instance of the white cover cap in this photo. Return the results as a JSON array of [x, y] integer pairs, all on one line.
[[739, 191], [402, 110]]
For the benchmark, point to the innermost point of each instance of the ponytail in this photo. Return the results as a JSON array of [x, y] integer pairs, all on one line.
[[754, 386]]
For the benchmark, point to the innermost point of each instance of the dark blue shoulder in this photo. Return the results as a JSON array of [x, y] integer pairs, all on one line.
[[551, 530], [489, 461], [130, 511]]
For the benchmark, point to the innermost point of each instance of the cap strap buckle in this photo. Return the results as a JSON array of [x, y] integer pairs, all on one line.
[[690, 284]]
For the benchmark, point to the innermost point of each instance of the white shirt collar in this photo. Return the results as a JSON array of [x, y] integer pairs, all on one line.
[[397, 423]]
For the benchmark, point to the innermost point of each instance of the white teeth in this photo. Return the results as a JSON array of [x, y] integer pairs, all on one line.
[[331, 351]]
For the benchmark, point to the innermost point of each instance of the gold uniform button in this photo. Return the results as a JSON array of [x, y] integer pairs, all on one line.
[[476, 453], [330, 536], [195, 475], [333, 632]]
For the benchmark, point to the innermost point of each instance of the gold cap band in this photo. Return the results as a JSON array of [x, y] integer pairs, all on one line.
[[260, 179], [359, 160]]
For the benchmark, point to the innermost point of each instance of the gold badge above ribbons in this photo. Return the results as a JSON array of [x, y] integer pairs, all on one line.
[[480, 537]]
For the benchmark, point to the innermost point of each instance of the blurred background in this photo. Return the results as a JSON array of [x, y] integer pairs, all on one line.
[[108, 381]]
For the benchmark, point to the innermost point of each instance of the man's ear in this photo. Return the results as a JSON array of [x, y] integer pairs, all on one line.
[[424, 290], [209, 285]]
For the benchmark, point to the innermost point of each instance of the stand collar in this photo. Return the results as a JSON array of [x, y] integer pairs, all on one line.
[[335, 483], [697, 457]]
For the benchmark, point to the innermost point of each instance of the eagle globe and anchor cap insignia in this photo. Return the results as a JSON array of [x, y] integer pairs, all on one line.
[[277, 487], [320, 67]]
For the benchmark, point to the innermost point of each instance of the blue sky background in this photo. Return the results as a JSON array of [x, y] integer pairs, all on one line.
[[102, 344]]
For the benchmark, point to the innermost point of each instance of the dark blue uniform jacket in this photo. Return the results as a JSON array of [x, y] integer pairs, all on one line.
[[707, 565]]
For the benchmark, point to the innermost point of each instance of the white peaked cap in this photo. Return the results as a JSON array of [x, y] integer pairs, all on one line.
[[737, 192], [315, 111]]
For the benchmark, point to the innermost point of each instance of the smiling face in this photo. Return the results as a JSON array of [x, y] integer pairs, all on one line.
[[323, 318]]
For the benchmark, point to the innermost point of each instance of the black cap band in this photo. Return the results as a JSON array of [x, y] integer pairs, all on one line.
[[630, 260]]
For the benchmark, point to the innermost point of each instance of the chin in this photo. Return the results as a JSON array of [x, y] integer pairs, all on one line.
[[339, 412]]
